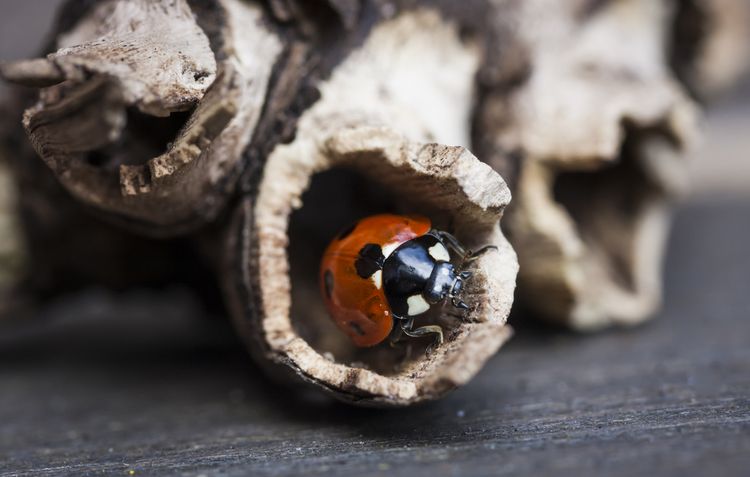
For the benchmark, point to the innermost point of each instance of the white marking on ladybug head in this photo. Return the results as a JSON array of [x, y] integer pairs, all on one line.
[[439, 252], [417, 305], [389, 248], [377, 279]]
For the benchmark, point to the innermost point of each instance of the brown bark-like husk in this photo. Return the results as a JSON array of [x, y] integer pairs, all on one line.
[[276, 304], [362, 148], [600, 128], [149, 107]]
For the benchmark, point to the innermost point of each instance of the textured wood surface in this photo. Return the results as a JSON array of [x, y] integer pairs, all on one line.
[[143, 382]]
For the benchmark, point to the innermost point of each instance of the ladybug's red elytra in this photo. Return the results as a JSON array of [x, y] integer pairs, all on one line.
[[390, 268]]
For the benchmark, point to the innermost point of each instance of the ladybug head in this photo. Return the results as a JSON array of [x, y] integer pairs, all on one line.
[[445, 283]]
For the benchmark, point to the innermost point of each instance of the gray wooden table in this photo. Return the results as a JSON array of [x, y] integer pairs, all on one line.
[[143, 383]]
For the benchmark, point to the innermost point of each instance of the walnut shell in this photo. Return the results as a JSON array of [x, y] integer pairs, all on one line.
[[147, 108], [601, 127], [276, 303]]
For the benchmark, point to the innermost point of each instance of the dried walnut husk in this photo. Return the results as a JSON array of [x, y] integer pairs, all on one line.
[[368, 145], [147, 107]]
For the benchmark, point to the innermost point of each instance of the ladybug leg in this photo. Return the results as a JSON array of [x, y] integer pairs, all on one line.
[[457, 303], [453, 243], [397, 332], [407, 326], [475, 255], [456, 290], [466, 255]]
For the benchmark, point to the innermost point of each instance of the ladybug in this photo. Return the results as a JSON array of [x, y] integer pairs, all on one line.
[[388, 269]]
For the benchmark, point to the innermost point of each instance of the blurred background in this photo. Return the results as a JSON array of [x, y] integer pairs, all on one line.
[[145, 382], [719, 167]]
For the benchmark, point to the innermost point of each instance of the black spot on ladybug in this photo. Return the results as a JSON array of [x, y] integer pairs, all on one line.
[[369, 261], [372, 251], [347, 231], [357, 329], [328, 283]]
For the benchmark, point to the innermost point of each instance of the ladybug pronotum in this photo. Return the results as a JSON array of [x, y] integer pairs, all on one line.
[[388, 269]]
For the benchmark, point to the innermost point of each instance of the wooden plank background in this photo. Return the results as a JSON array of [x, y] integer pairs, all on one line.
[[143, 382]]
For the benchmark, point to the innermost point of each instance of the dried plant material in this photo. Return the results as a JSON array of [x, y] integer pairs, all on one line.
[[346, 161], [711, 44], [272, 302], [84, 251], [149, 123], [12, 248], [601, 125]]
